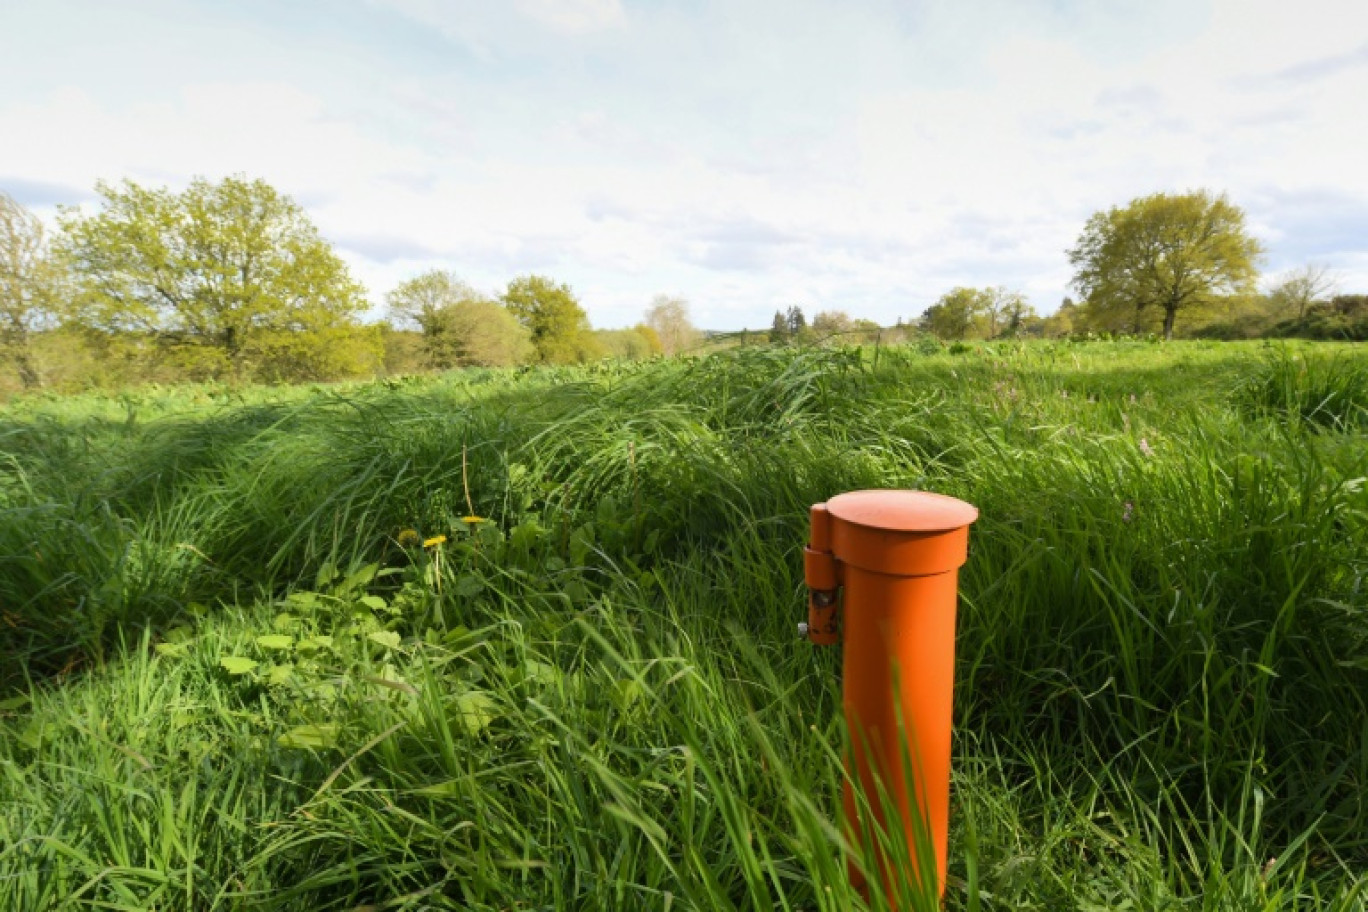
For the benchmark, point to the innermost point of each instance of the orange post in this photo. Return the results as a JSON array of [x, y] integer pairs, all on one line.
[[897, 555]]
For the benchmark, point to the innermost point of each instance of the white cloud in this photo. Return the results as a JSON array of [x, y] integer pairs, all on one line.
[[747, 156], [573, 17]]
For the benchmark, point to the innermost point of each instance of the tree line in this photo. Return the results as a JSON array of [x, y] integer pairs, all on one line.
[[226, 278], [232, 280], [1162, 258], [534, 320]]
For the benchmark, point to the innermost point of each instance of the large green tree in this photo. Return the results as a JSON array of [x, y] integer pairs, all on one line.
[[558, 324], [1164, 253], [461, 327], [233, 267], [960, 313], [28, 283]]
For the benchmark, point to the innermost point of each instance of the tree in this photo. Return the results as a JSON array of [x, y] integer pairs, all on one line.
[[480, 332], [832, 323], [796, 321], [1002, 312], [867, 330], [1302, 288], [669, 317], [1011, 313], [551, 313], [461, 327], [232, 267], [1167, 253], [419, 301], [652, 338], [958, 312], [28, 281], [1061, 322], [636, 344], [404, 349], [779, 330]]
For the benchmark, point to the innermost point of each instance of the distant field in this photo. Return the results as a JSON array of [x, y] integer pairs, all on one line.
[[525, 639]]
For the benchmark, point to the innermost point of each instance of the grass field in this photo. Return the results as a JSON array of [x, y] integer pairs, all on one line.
[[239, 669]]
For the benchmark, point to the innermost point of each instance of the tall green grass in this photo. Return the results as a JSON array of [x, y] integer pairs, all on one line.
[[1329, 392], [595, 699]]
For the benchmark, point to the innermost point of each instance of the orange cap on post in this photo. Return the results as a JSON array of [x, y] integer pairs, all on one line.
[[902, 533]]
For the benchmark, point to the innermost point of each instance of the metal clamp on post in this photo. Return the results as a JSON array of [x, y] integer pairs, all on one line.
[[820, 573]]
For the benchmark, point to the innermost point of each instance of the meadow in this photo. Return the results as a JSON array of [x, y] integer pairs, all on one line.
[[526, 639]]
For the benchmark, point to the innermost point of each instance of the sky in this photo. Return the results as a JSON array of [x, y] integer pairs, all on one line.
[[860, 155]]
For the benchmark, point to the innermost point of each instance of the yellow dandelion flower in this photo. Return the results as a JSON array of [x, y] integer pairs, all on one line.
[[473, 520], [434, 541], [409, 538]]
